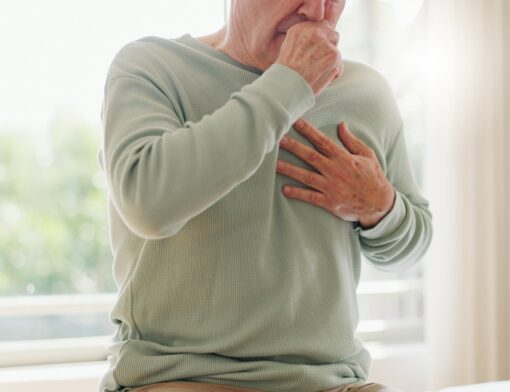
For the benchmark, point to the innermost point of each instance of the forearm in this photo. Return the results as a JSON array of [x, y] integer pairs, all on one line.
[[161, 176], [403, 235]]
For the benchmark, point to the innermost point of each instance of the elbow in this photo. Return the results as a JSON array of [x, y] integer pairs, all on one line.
[[143, 212], [421, 237], [413, 254], [146, 222], [140, 200], [149, 232]]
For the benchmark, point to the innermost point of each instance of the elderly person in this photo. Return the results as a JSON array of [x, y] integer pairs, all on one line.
[[228, 280]]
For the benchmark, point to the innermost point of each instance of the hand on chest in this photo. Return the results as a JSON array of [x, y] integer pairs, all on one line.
[[342, 173]]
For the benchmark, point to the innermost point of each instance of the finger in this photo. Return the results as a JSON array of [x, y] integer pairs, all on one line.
[[328, 30], [353, 144], [320, 140], [327, 78], [333, 12], [307, 177], [331, 35], [307, 154], [310, 196], [340, 69], [336, 73]]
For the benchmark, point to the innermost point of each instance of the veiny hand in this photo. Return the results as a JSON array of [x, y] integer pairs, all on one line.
[[310, 49], [349, 184]]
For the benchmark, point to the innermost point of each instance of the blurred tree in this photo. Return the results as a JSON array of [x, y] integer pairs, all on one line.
[[53, 211]]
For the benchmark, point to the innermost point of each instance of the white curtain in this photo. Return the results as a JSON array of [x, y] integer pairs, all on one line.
[[467, 271]]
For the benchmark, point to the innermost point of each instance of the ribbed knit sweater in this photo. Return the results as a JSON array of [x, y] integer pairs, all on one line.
[[221, 277]]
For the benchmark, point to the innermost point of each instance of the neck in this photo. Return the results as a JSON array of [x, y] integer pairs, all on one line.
[[224, 42]]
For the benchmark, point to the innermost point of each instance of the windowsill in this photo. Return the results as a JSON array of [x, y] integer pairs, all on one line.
[[388, 361], [76, 377]]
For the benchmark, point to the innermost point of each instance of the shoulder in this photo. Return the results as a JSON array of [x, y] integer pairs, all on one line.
[[144, 57], [367, 92], [362, 71], [363, 97], [366, 83]]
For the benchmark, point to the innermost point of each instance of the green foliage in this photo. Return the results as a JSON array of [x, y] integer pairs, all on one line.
[[53, 219]]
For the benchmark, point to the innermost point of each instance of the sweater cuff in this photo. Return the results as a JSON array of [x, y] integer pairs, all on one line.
[[389, 223], [289, 88]]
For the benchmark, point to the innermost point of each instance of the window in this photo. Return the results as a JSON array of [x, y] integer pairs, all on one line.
[[56, 285], [390, 35]]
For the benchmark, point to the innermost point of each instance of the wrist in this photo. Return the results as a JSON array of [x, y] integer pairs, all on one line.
[[367, 223]]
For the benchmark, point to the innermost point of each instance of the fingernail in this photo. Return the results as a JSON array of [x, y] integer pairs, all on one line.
[[299, 123], [284, 140]]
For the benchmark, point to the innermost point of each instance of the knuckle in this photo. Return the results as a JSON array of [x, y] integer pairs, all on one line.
[[356, 163], [311, 156], [340, 71], [315, 198], [324, 144], [329, 57], [333, 54], [368, 150], [310, 178], [332, 49], [336, 37], [338, 60]]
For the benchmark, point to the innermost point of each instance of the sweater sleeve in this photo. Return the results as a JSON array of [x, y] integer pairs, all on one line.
[[402, 237], [162, 173]]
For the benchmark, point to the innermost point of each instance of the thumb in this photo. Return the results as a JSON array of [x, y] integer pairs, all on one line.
[[353, 144]]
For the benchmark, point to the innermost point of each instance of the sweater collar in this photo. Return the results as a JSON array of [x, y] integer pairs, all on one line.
[[187, 39]]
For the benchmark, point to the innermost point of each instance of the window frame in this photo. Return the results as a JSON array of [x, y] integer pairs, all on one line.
[[94, 348]]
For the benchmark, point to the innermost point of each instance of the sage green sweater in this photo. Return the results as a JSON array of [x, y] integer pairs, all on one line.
[[221, 277]]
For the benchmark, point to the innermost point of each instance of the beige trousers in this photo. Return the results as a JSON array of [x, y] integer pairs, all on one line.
[[187, 386]]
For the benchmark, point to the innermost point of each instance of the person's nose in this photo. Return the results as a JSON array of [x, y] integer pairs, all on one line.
[[312, 10]]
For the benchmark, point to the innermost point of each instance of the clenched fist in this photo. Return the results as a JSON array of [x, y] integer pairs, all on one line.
[[310, 48]]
